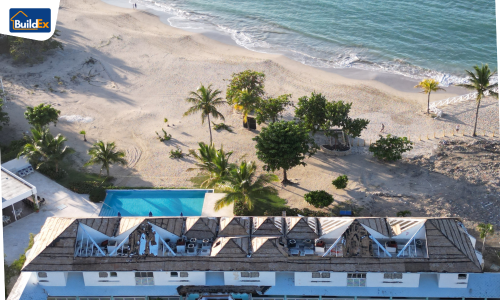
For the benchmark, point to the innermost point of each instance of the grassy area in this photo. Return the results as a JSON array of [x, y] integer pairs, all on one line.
[[10, 151], [271, 203], [75, 175]]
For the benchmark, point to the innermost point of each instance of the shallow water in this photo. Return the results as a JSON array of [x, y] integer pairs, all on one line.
[[418, 39]]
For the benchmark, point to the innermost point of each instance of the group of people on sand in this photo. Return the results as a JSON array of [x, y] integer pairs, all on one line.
[[134, 5]]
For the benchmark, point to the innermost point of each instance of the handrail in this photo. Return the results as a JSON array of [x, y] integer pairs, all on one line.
[[411, 239], [457, 99]]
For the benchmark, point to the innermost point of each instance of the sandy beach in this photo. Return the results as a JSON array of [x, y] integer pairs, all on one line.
[[142, 70]]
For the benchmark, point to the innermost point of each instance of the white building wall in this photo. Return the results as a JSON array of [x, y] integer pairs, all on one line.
[[305, 279], [165, 278], [265, 278], [450, 280], [410, 280], [53, 278], [122, 279]]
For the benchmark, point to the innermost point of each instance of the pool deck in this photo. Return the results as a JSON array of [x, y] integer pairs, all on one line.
[[209, 203], [61, 202]]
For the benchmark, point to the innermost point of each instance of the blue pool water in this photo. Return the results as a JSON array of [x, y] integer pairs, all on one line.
[[160, 202]]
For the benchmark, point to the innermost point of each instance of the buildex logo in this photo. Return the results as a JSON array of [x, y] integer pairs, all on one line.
[[29, 20]]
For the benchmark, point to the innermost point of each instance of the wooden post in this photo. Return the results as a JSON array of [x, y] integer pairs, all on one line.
[[434, 134], [427, 136], [444, 134], [419, 139], [364, 143]]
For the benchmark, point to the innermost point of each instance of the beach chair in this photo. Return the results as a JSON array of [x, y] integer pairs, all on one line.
[[6, 219], [19, 212]]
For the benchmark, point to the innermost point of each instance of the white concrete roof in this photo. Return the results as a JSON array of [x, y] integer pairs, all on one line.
[[14, 188], [16, 164]]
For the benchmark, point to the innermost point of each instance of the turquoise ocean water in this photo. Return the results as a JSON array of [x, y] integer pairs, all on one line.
[[437, 38]]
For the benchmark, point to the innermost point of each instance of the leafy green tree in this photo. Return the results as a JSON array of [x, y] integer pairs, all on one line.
[[485, 230], [480, 82], [4, 117], [44, 148], [249, 80], [318, 199], [246, 102], [105, 154], [42, 115], [206, 101], [212, 163], [429, 85], [243, 185], [390, 148], [284, 145], [271, 109], [30, 51], [311, 111]]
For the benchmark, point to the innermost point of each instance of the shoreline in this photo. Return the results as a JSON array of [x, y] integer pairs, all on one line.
[[398, 82]]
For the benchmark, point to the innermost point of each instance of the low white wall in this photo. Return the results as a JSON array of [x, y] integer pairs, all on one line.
[[194, 278], [53, 279], [450, 280], [305, 279], [264, 279], [410, 280], [122, 279]]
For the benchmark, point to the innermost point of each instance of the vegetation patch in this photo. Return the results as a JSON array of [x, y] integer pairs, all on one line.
[[340, 182], [15, 268], [390, 148], [318, 199], [222, 126], [97, 195]]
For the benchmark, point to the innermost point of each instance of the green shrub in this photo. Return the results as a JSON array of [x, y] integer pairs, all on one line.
[[340, 182], [97, 195], [176, 153], [30, 51], [222, 126], [50, 172], [10, 151], [83, 187], [404, 213], [390, 148], [318, 199], [295, 212], [165, 137]]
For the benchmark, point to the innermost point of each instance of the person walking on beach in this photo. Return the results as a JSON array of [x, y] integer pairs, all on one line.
[[457, 128], [382, 128]]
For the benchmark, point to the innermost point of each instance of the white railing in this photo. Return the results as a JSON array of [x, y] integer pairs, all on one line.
[[456, 99]]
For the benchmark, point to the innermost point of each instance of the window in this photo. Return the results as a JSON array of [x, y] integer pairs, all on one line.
[[174, 274], [144, 278], [103, 274], [356, 279], [42, 274], [320, 275], [250, 274], [113, 274], [184, 274], [460, 276], [393, 275]]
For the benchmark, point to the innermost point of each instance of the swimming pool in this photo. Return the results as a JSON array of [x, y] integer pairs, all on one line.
[[166, 203]]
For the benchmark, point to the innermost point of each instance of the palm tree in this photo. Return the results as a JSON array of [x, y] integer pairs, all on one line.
[[484, 230], [429, 85], [241, 186], [44, 148], [105, 154], [480, 82], [213, 163], [246, 102], [206, 101]]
